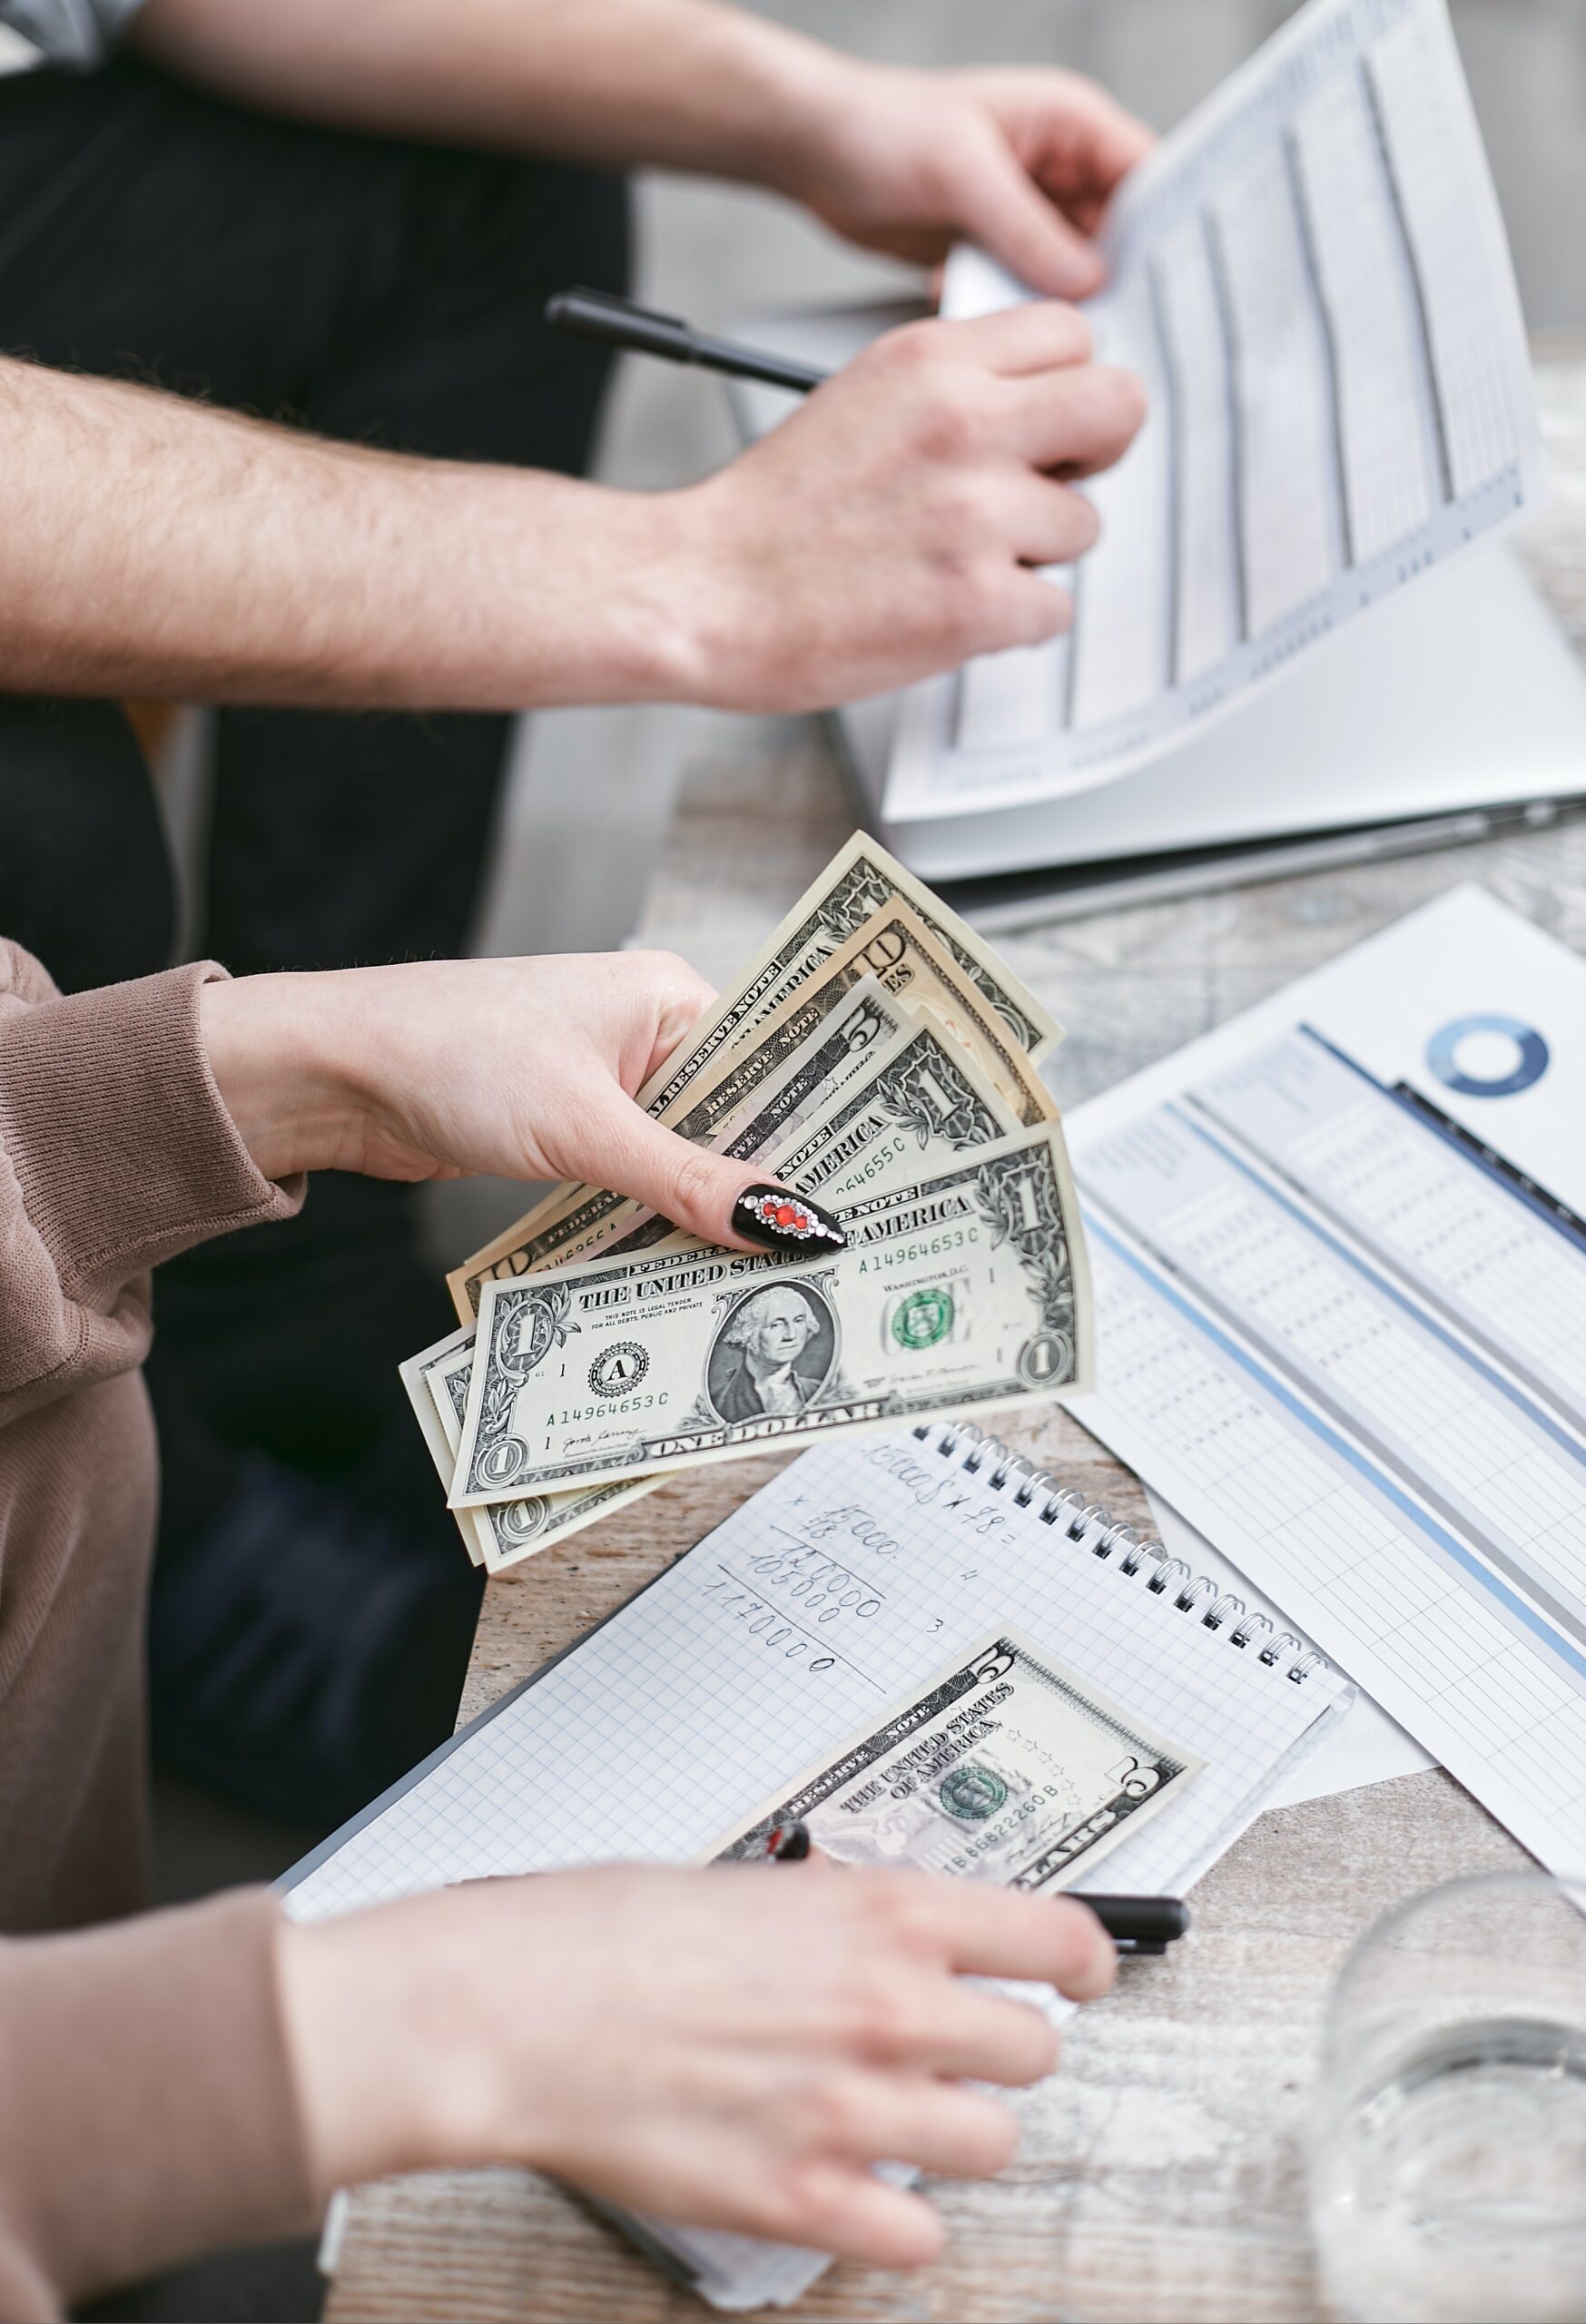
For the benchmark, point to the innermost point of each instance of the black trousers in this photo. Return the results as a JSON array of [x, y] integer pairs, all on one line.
[[371, 290]]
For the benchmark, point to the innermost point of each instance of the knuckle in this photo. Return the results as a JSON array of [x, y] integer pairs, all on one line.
[[831, 2114], [968, 597], [805, 2195], [912, 348], [950, 420], [692, 1179], [887, 2022], [958, 507], [905, 1908], [779, 2203], [650, 974], [1080, 337]]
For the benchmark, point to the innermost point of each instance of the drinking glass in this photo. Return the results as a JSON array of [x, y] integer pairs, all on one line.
[[1448, 2157]]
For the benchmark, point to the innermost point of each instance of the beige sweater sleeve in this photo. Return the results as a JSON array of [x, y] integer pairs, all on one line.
[[116, 1153], [148, 2110]]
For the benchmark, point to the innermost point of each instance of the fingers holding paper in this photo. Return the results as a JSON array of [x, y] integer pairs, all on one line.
[[1069, 144], [1022, 162]]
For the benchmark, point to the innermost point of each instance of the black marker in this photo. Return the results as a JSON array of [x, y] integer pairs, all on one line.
[[640, 330], [1140, 1924]]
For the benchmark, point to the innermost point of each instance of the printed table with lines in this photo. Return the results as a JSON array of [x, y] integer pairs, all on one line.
[[1161, 2172]]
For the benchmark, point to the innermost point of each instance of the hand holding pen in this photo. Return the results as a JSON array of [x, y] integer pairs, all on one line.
[[1138, 1925], [936, 473]]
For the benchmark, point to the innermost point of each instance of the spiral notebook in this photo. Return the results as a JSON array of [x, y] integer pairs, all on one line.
[[850, 1578]]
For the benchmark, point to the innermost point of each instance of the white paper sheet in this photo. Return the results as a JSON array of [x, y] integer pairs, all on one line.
[[1339, 1250], [1366, 1746], [1312, 277]]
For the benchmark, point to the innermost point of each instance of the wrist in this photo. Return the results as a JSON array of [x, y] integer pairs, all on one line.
[[271, 1049], [655, 599], [395, 2067], [823, 107], [805, 91], [680, 621]]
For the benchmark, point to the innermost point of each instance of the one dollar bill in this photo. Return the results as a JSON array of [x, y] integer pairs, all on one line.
[[1007, 1766], [966, 1289], [436, 1381], [912, 1101]]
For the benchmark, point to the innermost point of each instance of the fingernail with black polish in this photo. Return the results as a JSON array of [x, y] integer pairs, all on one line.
[[784, 1221]]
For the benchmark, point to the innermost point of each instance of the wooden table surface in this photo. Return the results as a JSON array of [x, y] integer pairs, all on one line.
[[1160, 2174]]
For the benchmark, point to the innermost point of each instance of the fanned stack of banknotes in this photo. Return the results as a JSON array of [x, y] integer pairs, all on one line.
[[877, 1058]]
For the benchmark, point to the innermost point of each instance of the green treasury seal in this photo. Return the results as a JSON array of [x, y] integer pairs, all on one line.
[[923, 1318], [972, 1792]]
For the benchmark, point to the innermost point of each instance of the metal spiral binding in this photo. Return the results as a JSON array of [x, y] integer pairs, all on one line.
[[1089, 1522]]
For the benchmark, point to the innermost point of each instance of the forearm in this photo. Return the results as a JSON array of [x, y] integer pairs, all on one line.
[[148, 2109], [152, 545], [682, 83]]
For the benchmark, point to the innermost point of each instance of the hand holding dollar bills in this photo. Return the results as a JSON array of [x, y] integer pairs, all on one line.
[[878, 1059]]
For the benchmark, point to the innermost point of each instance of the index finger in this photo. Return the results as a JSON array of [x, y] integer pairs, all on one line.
[[1039, 1940], [1112, 139], [680, 996]]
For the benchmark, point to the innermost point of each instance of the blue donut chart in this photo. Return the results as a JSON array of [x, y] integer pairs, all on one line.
[[1529, 1066]]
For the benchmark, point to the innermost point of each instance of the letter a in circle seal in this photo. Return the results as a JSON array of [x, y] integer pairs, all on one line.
[[617, 1371]]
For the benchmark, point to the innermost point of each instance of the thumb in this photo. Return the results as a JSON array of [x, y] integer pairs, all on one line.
[[1006, 213], [705, 1193]]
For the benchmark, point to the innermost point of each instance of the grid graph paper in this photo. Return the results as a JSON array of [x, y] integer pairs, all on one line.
[[846, 1583]]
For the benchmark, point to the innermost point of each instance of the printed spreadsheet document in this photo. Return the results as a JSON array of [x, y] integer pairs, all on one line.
[[1339, 1251], [1312, 279]]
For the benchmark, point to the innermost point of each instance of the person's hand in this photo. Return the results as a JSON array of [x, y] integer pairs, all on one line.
[[1023, 161], [445, 1069], [889, 528], [734, 2048]]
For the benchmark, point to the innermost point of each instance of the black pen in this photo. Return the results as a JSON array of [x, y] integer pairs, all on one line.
[[1136, 1924], [617, 323], [1140, 1924]]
